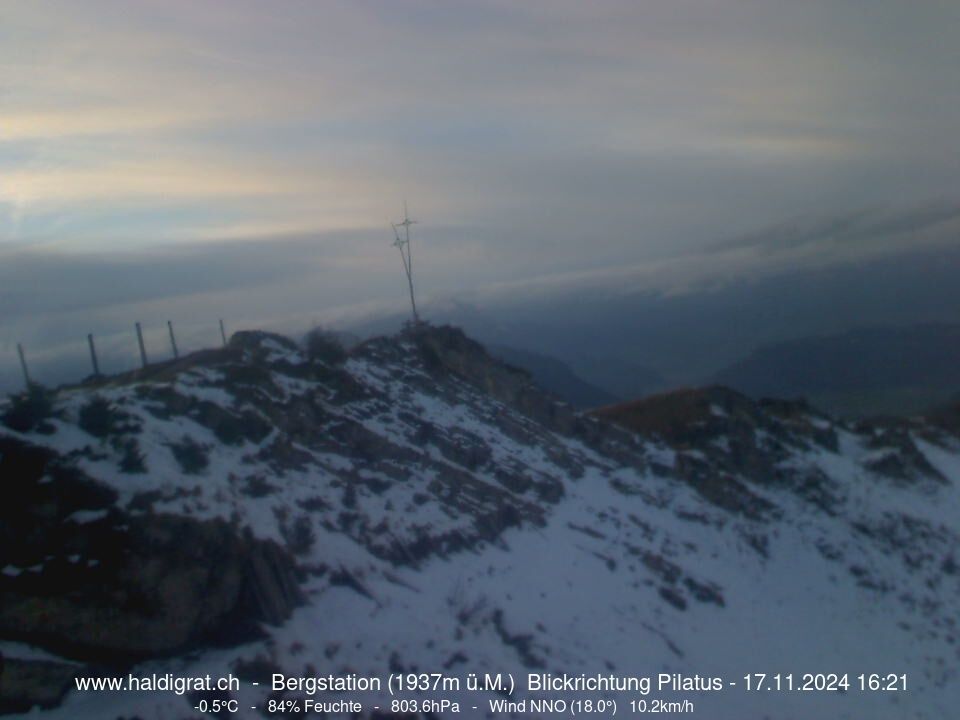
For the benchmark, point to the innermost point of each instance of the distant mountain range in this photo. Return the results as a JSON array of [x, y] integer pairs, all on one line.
[[881, 370], [631, 343], [555, 376], [863, 372]]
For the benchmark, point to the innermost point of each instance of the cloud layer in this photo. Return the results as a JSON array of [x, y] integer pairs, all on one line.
[[540, 143], [624, 122]]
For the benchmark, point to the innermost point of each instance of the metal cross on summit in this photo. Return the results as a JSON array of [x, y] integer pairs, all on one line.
[[403, 245]]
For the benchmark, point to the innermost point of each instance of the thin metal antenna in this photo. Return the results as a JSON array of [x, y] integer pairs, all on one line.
[[403, 245]]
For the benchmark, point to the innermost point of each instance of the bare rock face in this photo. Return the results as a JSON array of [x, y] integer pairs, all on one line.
[[448, 349], [98, 584]]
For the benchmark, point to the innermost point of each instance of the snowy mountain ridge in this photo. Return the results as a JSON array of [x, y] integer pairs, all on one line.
[[416, 505]]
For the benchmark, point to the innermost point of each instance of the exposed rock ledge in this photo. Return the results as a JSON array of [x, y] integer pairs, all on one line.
[[89, 582]]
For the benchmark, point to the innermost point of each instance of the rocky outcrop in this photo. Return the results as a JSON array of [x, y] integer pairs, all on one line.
[[89, 581], [448, 349]]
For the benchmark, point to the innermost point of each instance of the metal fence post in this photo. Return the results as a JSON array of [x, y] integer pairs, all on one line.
[[173, 340], [93, 355], [143, 350], [23, 366]]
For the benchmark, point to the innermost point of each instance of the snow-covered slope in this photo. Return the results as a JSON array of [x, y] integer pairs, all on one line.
[[446, 516]]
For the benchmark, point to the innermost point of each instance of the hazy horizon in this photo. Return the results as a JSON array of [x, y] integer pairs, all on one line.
[[185, 162]]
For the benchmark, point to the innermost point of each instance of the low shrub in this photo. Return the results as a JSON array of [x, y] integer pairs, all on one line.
[[190, 455], [30, 410], [324, 347]]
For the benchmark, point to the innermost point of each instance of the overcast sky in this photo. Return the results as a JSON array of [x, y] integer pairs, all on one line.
[[192, 156]]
